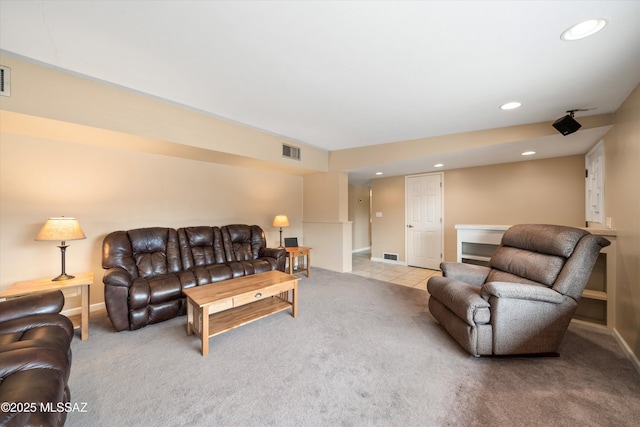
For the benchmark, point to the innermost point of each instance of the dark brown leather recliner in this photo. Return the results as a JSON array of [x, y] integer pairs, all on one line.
[[147, 268], [35, 360]]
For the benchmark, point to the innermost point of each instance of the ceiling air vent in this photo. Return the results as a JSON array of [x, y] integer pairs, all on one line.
[[290, 152], [5, 81]]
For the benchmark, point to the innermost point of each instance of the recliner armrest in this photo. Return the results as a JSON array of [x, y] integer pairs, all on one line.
[[47, 302], [117, 276], [520, 291], [468, 273], [272, 252]]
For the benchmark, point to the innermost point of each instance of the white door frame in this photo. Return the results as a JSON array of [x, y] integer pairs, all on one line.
[[406, 202]]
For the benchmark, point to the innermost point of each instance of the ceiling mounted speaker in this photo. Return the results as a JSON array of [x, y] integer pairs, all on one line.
[[566, 125]]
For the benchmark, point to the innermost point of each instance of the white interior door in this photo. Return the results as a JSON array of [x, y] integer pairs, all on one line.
[[424, 221]]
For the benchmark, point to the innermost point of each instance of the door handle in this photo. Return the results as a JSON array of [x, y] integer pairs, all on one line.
[[409, 226]]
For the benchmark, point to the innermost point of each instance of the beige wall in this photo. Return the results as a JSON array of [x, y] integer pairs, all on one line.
[[327, 197], [47, 93], [536, 191], [326, 226], [117, 160], [622, 204], [388, 231], [359, 210], [111, 189]]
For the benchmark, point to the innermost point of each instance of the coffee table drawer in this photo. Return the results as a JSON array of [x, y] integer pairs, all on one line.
[[270, 291], [220, 306]]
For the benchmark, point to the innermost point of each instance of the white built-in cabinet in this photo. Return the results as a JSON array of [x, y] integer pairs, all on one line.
[[477, 243]]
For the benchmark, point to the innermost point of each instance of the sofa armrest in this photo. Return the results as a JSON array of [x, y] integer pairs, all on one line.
[[117, 282], [521, 292], [526, 318], [117, 276], [279, 254], [461, 298], [47, 302], [468, 273], [273, 252]]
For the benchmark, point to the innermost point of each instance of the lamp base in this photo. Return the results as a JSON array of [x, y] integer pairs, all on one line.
[[62, 277]]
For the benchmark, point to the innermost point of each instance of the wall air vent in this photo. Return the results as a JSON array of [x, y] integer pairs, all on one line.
[[5, 81], [290, 152], [389, 256]]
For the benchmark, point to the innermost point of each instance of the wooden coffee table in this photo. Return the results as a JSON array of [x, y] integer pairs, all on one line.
[[219, 307]]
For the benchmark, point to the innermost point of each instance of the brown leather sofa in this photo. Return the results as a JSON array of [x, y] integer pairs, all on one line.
[[148, 268], [35, 360]]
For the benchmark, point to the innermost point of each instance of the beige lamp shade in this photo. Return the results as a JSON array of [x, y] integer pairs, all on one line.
[[280, 221], [61, 228]]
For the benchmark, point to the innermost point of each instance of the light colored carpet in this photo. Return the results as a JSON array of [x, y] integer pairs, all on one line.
[[360, 353]]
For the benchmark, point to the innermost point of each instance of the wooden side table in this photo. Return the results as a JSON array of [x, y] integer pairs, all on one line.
[[82, 281], [298, 251]]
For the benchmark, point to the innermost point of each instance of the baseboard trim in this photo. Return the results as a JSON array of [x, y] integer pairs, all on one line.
[[78, 310], [625, 347], [388, 261], [614, 332], [595, 327], [355, 251]]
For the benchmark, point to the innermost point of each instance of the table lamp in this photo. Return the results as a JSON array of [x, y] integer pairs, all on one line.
[[63, 229], [280, 221]]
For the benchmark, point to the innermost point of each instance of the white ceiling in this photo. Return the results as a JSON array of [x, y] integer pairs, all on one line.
[[343, 74]]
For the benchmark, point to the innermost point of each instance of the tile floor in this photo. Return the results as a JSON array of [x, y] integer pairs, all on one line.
[[398, 274]]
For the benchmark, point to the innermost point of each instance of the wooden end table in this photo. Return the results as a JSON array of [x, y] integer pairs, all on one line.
[[82, 281], [298, 251], [219, 307]]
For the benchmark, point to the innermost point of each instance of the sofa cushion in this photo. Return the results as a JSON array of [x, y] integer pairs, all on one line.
[[154, 290], [537, 267], [37, 330], [242, 242], [155, 251], [245, 268], [200, 246], [34, 375], [212, 273], [547, 239]]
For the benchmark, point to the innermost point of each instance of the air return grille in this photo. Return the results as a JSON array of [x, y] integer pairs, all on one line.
[[390, 256], [290, 152], [5, 81]]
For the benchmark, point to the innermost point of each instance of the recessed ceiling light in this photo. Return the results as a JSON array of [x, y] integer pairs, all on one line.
[[510, 106], [528, 153], [378, 173], [583, 29], [438, 165]]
